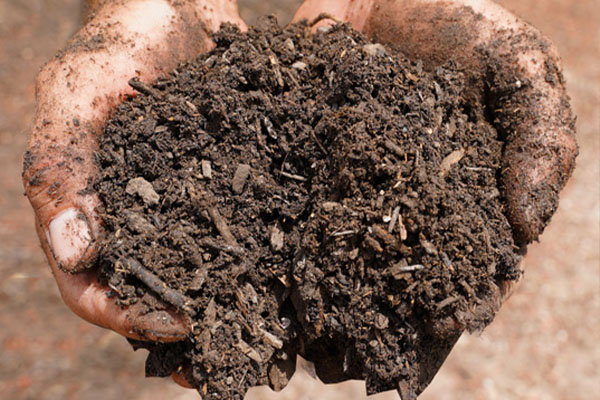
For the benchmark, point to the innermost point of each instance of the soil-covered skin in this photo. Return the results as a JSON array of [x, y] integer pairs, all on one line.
[[305, 194]]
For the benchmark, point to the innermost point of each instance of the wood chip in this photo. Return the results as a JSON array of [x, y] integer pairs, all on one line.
[[289, 43], [271, 339], [248, 351], [412, 77], [330, 205], [394, 148], [428, 247], [394, 219], [450, 160], [226, 248], [402, 228], [299, 66], [205, 201], [373, 244], [447, 302], [239, 178], [398, 270], [293, 176], [275, 64], [383, 235]]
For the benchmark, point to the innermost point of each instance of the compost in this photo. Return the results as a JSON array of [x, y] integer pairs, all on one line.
[[305, 194]]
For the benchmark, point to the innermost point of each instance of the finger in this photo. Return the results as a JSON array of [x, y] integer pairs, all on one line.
[[355, 12], [179, 376], [88, 299], [539, 129]]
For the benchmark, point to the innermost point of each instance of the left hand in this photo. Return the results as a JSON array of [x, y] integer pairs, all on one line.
[[512, 70]]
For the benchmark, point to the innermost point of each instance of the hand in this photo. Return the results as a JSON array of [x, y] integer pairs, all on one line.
[[512, 70], [75, 93], [494, 47]]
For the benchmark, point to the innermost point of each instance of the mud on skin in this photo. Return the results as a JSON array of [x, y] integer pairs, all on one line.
[[314, 195]]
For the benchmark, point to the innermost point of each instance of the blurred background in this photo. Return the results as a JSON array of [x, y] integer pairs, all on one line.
[[544, 343]]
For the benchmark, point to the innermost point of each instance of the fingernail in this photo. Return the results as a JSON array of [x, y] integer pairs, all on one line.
[[69, 237]]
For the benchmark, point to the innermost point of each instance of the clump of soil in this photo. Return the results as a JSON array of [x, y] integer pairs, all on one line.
[[305, 194]]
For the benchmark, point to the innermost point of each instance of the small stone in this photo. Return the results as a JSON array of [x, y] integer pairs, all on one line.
[[381, 321], [138, 223], [206, 169], [374, 49], [276, 238], [299, 65], [144, 189], [285, 322], [289, 43], [330, 205], [323, 29], [239, 178]]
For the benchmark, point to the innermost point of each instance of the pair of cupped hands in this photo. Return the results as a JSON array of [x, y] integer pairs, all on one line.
[[121, 39]]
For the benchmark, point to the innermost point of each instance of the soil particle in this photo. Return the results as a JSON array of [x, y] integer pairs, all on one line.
[[319, 195], [239, 179], [144, 189]]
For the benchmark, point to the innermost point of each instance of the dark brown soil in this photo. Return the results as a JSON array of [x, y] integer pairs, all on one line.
[[305, 194]]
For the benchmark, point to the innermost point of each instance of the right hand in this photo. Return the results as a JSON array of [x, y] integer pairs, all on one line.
[[75, 93]]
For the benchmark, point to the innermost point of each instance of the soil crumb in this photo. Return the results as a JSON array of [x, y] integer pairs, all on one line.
[[305, 194]]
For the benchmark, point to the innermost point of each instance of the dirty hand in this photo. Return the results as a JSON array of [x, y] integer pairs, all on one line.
[[526, 98], [75, 93]]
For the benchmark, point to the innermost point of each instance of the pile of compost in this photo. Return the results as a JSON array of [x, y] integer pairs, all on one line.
[[305, 194]]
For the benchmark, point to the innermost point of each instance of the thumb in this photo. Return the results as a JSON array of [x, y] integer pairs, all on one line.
[[531, 111], [56, 183]]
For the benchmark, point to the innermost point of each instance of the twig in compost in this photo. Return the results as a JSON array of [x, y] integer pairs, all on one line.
[[343, 233], [144, 88], [226, 248], [393, 147], [154, 283], [293, 176], [412, 268], [221, 226], [394, 219], [318, 142], [398, 270], [205, 201]]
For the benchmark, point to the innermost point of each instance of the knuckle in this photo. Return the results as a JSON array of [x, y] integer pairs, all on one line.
[[46, 75]]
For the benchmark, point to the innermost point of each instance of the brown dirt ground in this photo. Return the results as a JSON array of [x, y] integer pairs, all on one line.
[[542, 345]]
